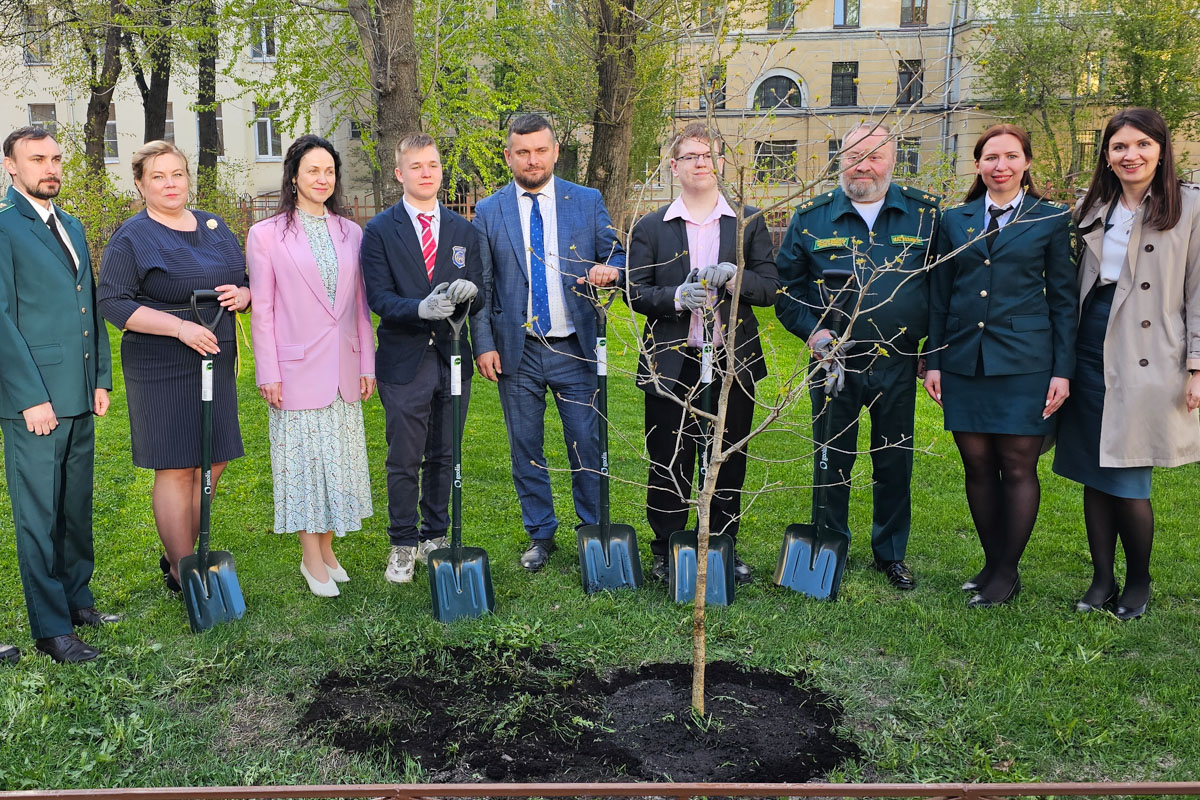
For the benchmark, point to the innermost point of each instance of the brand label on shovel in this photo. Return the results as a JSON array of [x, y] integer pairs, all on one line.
[[601, 355], [706, 363], [456, 375], [206, 380]]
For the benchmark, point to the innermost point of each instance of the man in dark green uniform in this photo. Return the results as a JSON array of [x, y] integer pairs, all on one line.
[[884, 234], [57, 372]]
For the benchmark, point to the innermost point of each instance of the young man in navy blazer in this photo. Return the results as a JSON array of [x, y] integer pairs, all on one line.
[[543, 238], [420, 262]]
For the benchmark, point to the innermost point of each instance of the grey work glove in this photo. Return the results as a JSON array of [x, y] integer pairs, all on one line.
[[833, 361], [691, 294], [716, 276], [437, 305], [462, 291]]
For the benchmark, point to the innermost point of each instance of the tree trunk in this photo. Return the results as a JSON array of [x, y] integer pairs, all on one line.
[[154, 102], [385, 29], [206, 101], [100, 90], [612, 122]]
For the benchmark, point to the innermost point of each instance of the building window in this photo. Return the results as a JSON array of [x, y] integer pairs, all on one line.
[[262, 43], [844, 91], [834, 148], [845, 13], [169, 127], [33, 39], [778, 92], [910, 81], [775, 161], [268, 144], [913, 12], [111, 153], [779, 14], [712, 93], [711, 12], [43, 115], [908, 155]]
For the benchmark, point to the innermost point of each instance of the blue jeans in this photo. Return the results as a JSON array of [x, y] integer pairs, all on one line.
[[561, 368]]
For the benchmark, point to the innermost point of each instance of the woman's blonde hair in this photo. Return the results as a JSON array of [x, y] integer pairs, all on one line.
[[152, 150]]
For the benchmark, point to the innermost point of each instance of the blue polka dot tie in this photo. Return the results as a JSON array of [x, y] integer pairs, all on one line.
[[537, 270]]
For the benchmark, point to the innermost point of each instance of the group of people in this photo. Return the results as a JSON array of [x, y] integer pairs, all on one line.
[[983, 301]]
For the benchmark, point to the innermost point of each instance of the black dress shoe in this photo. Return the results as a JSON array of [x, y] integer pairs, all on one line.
[[741, 572], [976, 583], [659, 572], [538, 554], [9, 654], [93, 618], [897, 573], [67, 649], [1126, 612], [979, 601], [1107, 604]]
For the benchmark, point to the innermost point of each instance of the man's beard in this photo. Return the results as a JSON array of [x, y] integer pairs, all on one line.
[[528, 186], [860, 192], [41, 194]]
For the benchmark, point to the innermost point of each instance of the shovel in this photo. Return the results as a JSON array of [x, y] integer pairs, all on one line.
[[608, 553], [460, 578], [211, 592], [812, 558], [683, 546]]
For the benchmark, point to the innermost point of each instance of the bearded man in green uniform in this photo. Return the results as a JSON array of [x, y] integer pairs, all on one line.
[[883, 233]]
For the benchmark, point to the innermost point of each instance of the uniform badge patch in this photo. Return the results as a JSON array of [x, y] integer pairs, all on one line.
[[901, 239], [825, 244], [460, 256]]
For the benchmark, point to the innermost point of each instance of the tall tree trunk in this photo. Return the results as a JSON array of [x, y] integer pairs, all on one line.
[[385, 29], [612, 122], [154, 101], [106, 70], [206, 101]]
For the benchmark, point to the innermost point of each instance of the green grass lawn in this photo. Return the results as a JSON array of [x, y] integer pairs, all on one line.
[[933, 691]]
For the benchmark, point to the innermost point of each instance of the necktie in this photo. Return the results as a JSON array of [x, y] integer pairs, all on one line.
[[537, 270], [428, 245], [994, 218], [52, 221]]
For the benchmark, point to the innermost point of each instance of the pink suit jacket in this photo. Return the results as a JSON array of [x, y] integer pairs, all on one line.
[[314, 350]]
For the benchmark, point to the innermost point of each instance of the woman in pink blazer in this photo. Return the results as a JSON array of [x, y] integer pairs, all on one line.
[[314, 354]]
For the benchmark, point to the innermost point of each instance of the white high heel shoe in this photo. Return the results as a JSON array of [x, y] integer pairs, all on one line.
[[327, 589], [337, 573]]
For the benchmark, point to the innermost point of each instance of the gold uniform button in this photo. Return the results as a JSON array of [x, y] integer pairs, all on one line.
[[87, 355], [983, 293], [83, 311], [981, 324], [78, 288], [85, 333], [987, 262]]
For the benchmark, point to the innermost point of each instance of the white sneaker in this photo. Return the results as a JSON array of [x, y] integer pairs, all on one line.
[[401, 564], [428, 546]]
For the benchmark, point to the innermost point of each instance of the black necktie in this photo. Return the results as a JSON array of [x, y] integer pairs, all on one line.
[[52, 221], [994, 220]]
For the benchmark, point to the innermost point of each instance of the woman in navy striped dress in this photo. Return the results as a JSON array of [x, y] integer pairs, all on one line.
[[151, 266]]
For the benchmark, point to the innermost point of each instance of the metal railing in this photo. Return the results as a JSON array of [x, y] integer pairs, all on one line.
[[942, 791]]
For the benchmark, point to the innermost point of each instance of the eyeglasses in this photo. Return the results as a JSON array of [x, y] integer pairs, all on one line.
[[694, 158]]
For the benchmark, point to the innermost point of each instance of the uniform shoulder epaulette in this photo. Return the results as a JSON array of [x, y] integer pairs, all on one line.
[[814, 202], [5, 206], [1054, 205], [953, 206], [920, 195]]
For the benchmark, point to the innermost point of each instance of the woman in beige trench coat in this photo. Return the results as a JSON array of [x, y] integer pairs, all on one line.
[[1137, 386]]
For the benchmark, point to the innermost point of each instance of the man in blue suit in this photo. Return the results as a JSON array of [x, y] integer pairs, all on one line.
[[543, 238], [57, 374]]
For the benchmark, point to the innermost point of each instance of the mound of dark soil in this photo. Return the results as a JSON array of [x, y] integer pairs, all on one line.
[[520, 715]]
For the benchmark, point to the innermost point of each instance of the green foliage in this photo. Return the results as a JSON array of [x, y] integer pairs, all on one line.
[[92, 197], [1157, 45]]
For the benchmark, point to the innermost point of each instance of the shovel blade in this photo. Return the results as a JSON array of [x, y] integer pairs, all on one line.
[[608, 562], [811, 562], [211, 592], [682, 548], [460, 583]]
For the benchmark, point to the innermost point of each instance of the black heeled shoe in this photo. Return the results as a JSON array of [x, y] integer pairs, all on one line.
[[172, 585], [1127, 613], [1107, 604], [979, 601]]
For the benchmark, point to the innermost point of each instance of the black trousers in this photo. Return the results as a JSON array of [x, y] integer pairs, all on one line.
[[673, 438], [419, 458]]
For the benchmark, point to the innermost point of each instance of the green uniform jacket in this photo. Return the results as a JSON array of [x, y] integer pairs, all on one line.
[[890, 262], [53, 345]]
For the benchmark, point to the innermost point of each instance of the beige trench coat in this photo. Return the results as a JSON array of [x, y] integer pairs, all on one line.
[[1153, 339]]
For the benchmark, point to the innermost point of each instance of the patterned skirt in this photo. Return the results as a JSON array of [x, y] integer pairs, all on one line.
[[319, 466]]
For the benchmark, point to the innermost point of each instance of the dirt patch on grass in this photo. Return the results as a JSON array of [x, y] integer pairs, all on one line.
[[521, 715]]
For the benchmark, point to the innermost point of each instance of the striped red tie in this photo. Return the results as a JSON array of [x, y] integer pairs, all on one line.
[[428, 245]]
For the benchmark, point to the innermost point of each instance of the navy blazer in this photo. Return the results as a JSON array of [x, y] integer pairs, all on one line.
[[1007, 299], [396, 281], [585, 238], [659, 261], [54, 345]]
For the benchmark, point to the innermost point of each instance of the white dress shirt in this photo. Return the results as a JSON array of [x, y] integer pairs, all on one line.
[[435, 224], [45, 212], [1005, 218], [561, 323]]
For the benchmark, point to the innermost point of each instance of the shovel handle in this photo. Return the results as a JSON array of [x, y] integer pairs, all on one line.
[[206, 297]]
